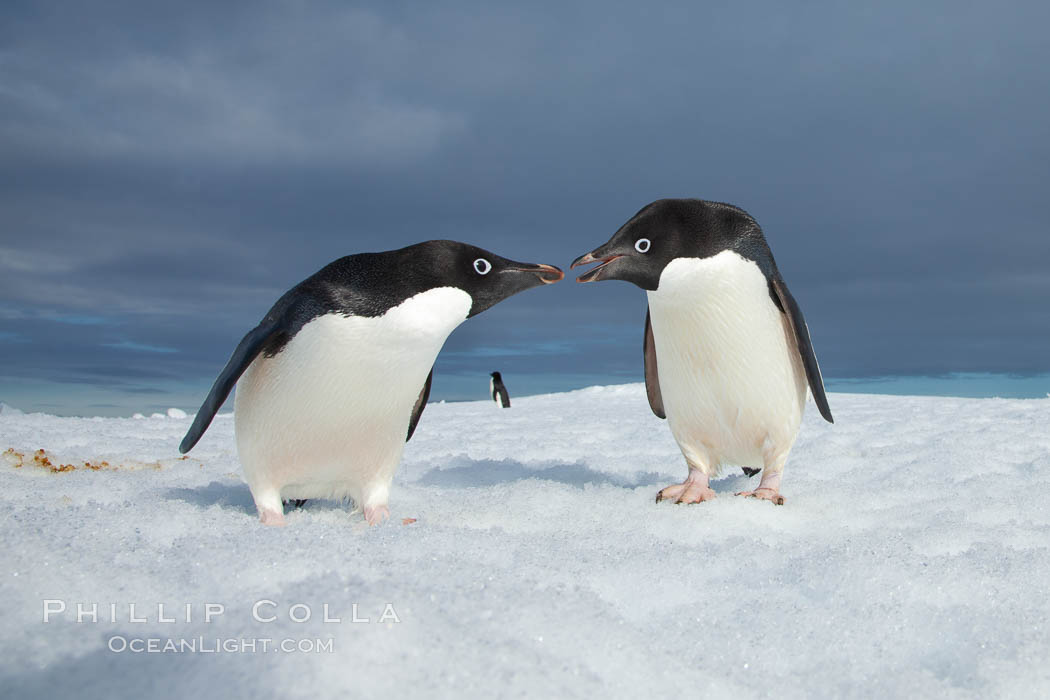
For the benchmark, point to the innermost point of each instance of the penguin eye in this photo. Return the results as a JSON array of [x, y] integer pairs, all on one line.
[[642, 245], [482, 266]]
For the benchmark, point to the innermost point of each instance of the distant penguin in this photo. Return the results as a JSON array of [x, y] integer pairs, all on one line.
[[334, 379], [499, 391], [727, 352]]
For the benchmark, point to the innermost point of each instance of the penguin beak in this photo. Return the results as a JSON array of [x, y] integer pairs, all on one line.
[[548, 274], [595, 274]]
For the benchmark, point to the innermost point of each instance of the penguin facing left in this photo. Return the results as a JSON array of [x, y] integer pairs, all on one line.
[[331, 384], [727, 352], [499, 391]]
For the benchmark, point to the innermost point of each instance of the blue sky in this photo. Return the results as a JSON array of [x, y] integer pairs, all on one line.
[[168, 170]]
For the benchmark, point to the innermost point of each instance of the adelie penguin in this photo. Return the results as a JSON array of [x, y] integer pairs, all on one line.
[[332, 382], [498, 391], [727, 352]]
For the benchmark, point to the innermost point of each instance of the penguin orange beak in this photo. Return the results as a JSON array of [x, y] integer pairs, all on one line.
[[595, 274], [548, 274]]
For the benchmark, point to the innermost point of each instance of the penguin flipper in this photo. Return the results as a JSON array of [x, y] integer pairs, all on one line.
[[652, 379], [805, 347], [421, 403], [247, 350]]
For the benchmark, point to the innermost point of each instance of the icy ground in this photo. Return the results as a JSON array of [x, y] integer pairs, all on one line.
[[912, 559]]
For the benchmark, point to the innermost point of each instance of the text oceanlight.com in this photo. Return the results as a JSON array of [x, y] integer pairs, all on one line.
[[204, 645]]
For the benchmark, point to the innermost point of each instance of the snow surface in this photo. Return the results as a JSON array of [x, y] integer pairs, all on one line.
[[910, 560]]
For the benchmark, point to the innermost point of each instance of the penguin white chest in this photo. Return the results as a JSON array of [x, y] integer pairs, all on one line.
[[328, 415], [730, 374]]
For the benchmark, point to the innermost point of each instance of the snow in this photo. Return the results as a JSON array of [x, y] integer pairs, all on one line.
[[910, 559]]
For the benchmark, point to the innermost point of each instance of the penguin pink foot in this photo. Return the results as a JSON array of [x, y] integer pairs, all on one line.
[[765, 495], [273, 518], [376, 514], [768, 489], [694, 489]]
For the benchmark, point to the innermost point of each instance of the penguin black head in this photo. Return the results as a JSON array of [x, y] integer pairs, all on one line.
[[496, 376], [368, 284], [674, 228], [485, 276]]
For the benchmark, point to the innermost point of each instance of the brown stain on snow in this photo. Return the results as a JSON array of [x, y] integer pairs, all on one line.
[[42, 460]]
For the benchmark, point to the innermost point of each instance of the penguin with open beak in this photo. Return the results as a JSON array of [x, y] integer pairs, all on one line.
[[727, 352]]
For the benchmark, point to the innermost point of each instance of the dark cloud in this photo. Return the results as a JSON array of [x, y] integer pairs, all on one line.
[[167, 171]]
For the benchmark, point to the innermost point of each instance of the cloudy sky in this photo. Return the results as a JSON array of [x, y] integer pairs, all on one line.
[[167, 170]]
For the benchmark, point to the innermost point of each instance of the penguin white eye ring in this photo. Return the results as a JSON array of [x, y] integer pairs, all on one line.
[[482, 266], [642, 245]]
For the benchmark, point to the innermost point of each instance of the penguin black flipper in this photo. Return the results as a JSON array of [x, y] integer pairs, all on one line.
[[247, 350], [652, 379], [421, 403], [805, 346]]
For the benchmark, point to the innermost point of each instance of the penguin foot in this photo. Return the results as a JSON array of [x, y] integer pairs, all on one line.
[[376, 514], [689, 491], [273, 518], [765, 494]]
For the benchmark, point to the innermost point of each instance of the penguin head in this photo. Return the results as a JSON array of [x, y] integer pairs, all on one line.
[[496, 376], [485, 276], [668, 229]]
